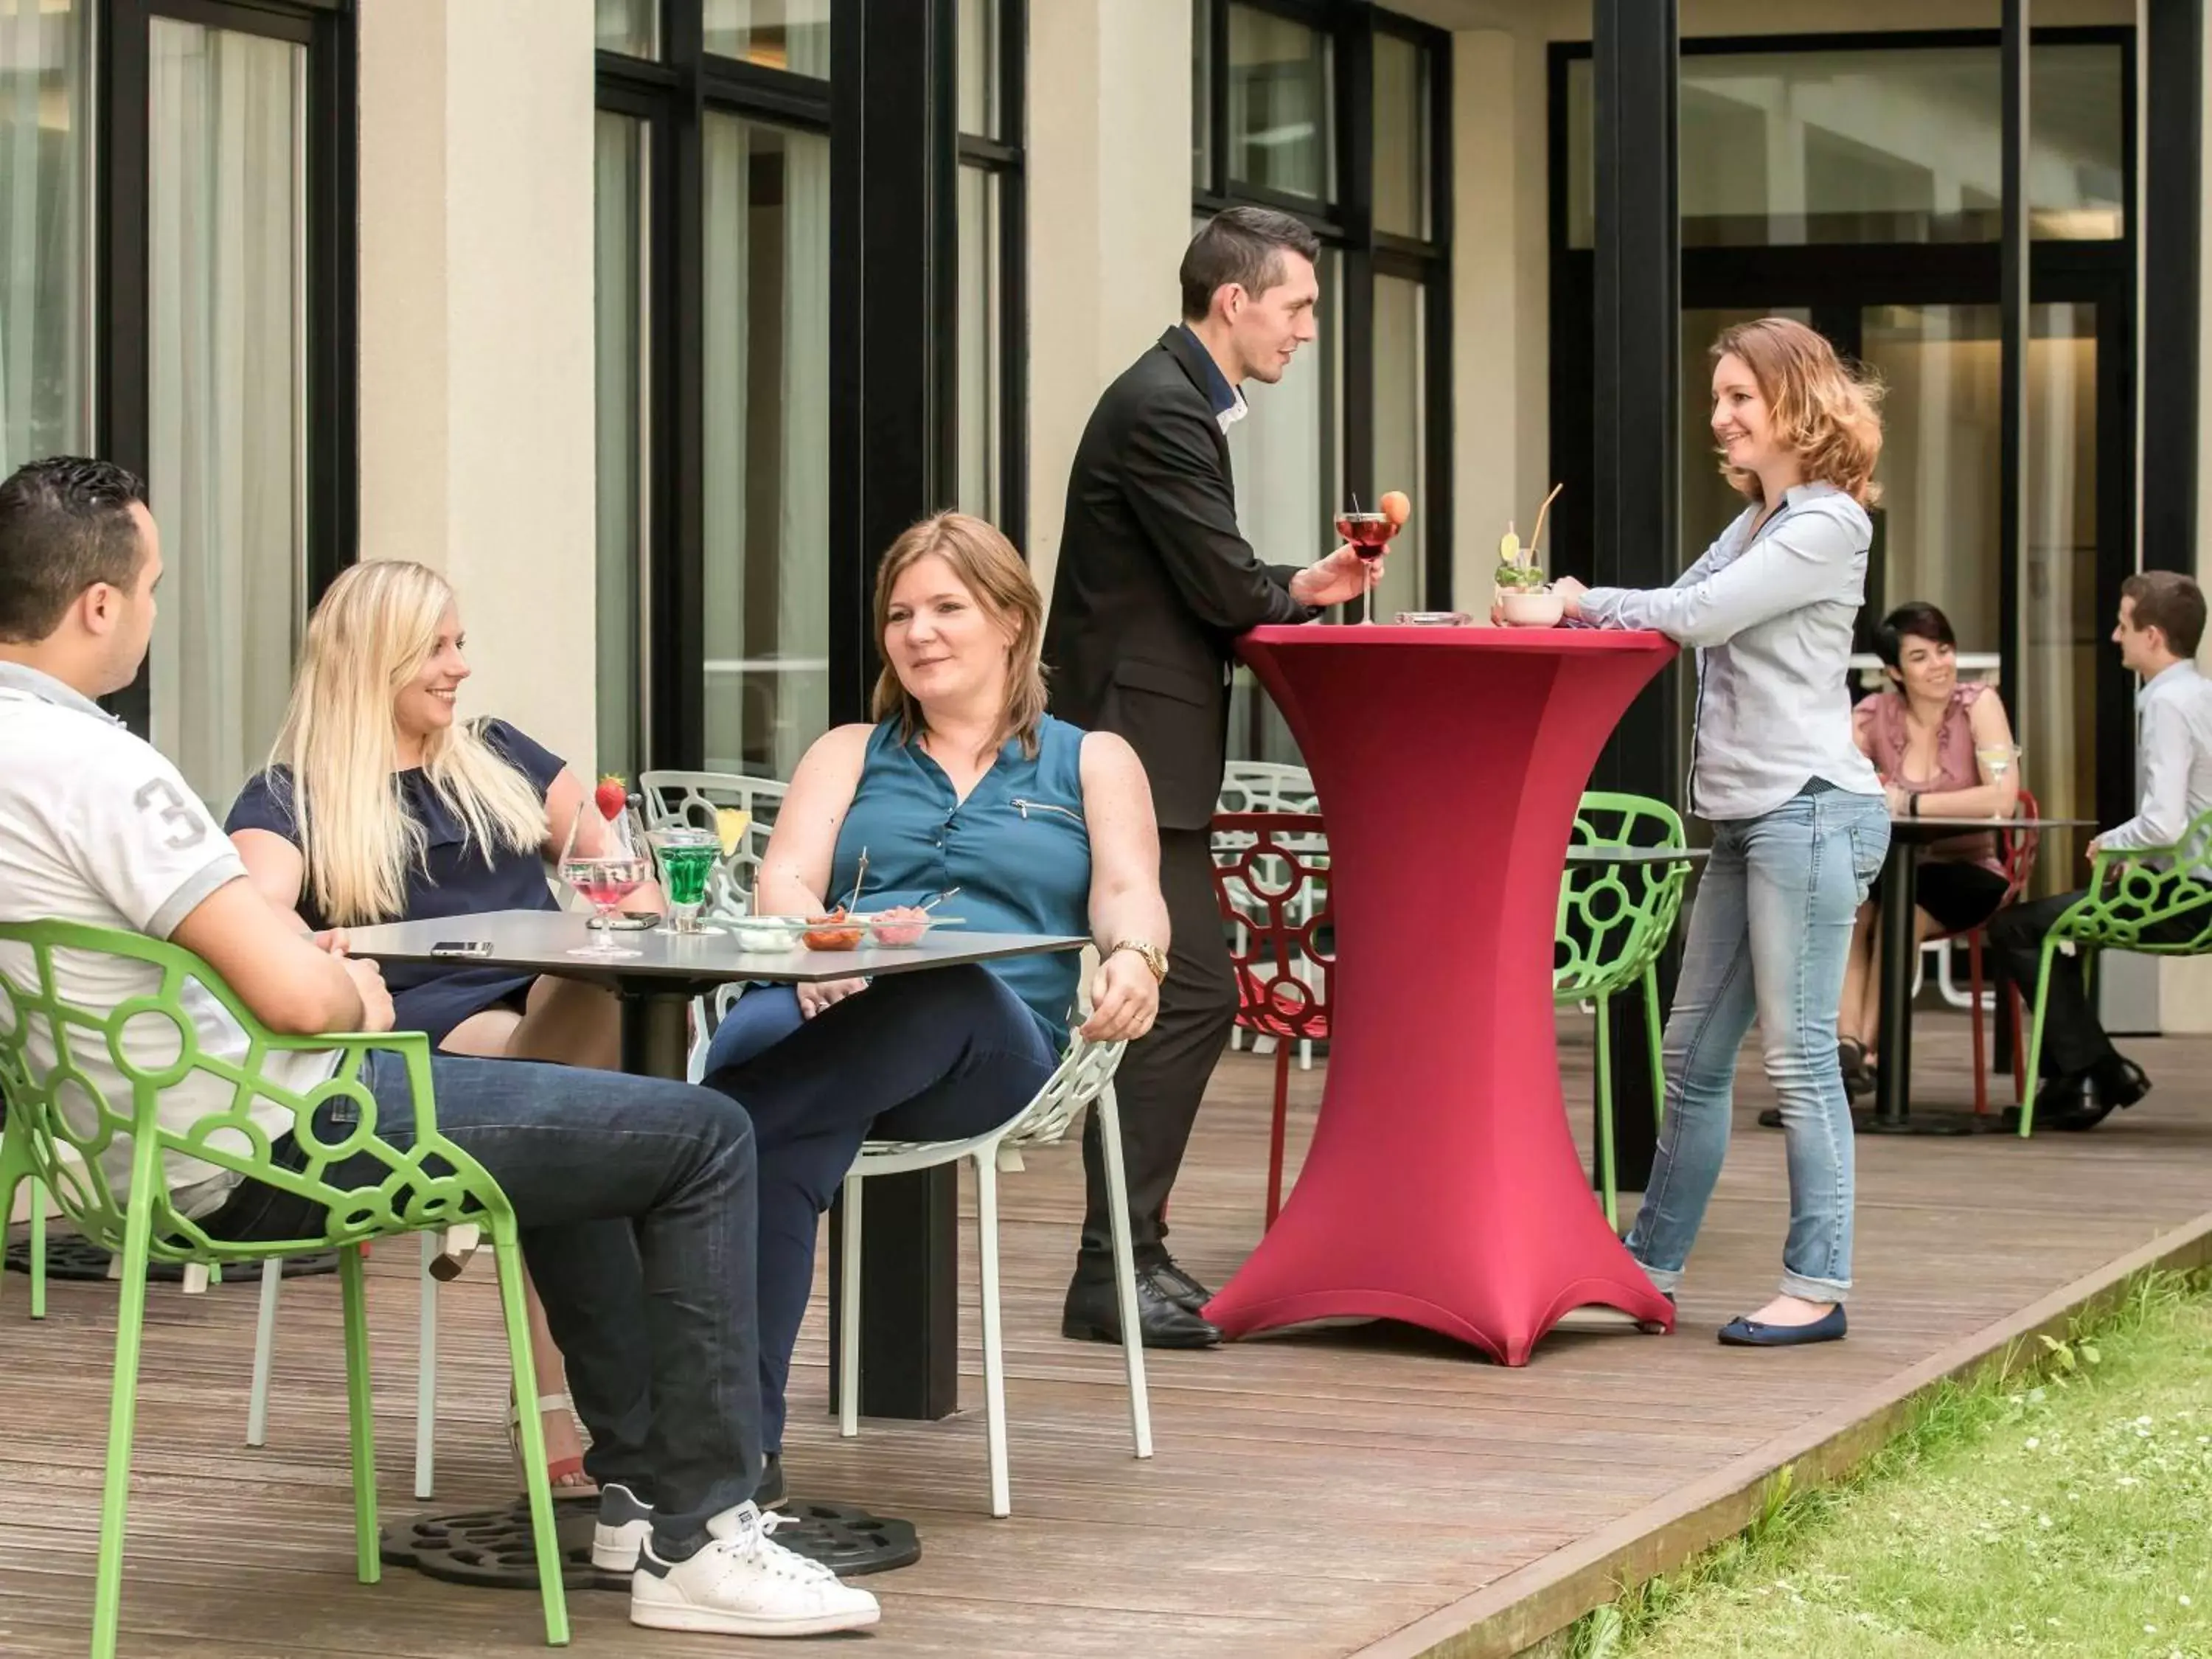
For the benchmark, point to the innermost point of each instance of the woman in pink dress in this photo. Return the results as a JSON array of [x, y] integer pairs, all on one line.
[[1927, 735]]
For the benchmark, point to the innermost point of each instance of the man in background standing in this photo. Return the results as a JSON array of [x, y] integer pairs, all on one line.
[[1154, 583]]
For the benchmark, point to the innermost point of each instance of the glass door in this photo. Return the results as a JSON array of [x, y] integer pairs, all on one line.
[[1937, 528]]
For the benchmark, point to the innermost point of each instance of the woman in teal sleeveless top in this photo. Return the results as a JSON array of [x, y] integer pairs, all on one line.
[[964, 781]]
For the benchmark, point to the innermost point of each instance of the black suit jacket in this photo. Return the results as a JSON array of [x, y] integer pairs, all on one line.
[[1155, 581]]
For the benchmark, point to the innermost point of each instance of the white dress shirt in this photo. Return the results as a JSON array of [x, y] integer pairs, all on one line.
[[1771, 618], [2173, 761]]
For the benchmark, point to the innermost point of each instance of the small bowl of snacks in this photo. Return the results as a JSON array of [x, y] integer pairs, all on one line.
[[835, 931], [900, 928], [765, 936]]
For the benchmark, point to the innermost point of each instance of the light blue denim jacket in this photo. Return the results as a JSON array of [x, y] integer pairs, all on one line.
[[1771, 619]]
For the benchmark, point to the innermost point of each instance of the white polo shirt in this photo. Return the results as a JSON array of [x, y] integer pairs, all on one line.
[[96, 826]]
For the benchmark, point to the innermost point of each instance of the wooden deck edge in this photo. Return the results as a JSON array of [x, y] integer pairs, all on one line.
[[1519, 1610]]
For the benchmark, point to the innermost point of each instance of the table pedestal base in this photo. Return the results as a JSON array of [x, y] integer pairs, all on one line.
[[492, 1548]]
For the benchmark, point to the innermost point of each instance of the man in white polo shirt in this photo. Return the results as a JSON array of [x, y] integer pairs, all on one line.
[[634, 1195]]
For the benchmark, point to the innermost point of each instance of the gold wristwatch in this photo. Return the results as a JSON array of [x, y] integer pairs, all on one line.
[[1147, 952]]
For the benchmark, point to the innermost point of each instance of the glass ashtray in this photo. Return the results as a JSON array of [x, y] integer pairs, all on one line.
[[1435, 619]]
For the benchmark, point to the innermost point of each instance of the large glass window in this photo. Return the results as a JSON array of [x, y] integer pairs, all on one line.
[[990, 432], [1879, 144], [783, 34], [43, 334], [766, 353], [1281, 132], [982, 363], [227, 250], [629, 26], [621, 245], [1335, 423], [1402, 433], [1403, 121], [1286, 453]]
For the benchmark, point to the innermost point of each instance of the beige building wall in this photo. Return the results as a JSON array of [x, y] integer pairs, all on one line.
[[1108, 182], [476, 394]]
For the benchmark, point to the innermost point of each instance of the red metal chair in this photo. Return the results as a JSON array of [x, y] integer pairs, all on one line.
[[2016, 850], [1271, 876]]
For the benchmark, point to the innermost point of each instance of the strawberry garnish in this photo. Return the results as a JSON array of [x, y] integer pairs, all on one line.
[[611, 796]]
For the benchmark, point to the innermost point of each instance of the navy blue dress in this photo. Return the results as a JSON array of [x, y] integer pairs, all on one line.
[[455, 879]]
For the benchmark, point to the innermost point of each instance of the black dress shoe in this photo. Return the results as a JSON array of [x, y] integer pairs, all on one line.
[[1178, 1286], [2071, 1103], [1093, 1313], [2120, 1083]]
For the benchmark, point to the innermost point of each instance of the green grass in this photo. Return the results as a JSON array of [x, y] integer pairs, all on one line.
[[2068, 1512]]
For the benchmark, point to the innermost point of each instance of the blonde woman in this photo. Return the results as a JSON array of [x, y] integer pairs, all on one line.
[[1799, 826], [380, 804]]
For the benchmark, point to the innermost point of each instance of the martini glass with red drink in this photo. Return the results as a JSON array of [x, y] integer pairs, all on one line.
[[1369, 533]]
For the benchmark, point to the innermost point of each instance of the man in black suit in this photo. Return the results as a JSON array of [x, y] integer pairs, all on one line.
[[1154, 583]]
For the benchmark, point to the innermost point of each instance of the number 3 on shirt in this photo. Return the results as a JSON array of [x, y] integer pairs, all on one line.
[[159, 796]]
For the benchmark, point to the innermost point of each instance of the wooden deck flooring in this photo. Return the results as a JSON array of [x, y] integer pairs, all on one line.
[[1311, 1495]]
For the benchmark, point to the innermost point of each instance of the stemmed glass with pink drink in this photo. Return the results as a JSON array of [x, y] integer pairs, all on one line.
[[602, 862]]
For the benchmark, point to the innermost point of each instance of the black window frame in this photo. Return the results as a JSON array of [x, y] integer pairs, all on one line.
[[1345, 222], [1004, 156], [673, 94], [121, 323]]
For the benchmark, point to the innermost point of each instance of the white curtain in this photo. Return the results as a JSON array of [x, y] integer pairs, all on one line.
[[725, 351], [227, 249], [803, 540], [767, 506], [618, 250], [42, 217]]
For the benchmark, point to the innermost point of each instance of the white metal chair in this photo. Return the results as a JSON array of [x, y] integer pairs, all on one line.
[[1085, 1076], [694, 797], [1266, 786]]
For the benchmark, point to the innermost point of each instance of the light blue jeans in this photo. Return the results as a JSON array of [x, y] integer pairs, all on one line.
[[1769, 936]]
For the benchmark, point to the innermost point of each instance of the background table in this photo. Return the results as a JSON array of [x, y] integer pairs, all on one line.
[[1900, 882], [1443, 1186]]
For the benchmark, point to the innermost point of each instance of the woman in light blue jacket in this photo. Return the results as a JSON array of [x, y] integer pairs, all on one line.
[[1800, 824]]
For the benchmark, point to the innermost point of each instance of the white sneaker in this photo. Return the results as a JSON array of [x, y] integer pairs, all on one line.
[[744, 1582]]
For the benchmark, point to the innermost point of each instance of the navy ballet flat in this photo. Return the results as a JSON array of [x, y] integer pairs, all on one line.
[[1750, 1334]]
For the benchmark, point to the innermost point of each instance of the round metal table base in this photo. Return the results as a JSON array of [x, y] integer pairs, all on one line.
[[1922, 1122], [493, 1549], [69, 1256]]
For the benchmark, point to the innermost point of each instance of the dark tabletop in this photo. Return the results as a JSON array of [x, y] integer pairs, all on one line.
[[539, 941]]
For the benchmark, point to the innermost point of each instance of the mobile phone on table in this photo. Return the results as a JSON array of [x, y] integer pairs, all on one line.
[[461, 947]]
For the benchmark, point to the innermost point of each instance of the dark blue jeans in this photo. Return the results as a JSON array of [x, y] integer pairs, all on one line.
[[635, 1201], [938, 1054]]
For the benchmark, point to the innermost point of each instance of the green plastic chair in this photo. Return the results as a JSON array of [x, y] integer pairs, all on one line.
[[52, 1105], [2129, 890], [1614, 921]]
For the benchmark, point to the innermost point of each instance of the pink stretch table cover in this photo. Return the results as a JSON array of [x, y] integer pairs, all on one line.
[[1443, 1187]]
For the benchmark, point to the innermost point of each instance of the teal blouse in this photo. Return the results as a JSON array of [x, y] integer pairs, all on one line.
[[1018, 849]]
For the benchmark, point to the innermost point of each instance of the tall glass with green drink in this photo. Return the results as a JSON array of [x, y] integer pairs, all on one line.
[[688, 855]]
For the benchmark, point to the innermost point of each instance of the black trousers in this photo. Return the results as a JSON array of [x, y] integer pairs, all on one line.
[[1163, 1075], [2072, 1040]]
